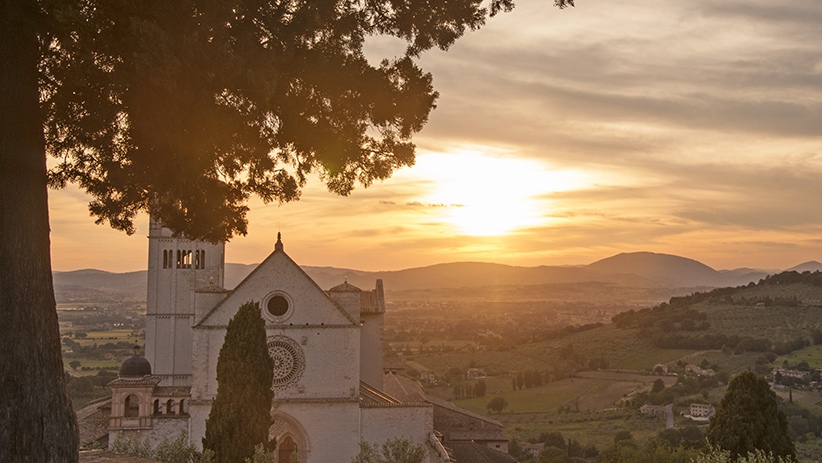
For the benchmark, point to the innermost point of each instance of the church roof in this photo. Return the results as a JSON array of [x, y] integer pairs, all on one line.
[[346, 287], [370, 394], [404, 389], [278, 249], [144, 381], [472, 452], [173, 391], [482, 434], [90, 423], [449, 406]]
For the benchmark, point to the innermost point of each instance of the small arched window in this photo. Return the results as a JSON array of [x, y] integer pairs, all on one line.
[[179, 259], [131, 406], [183, 406], [202, 259], [157, 410], [170, 407]]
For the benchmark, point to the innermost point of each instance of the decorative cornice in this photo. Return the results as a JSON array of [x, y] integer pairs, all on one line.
[[318, 400], [277, 327], [397, 405]]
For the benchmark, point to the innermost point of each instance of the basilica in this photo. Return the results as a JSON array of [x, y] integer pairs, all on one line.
[[329, 381]]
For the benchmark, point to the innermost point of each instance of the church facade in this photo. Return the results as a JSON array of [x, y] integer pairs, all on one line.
[[327, 348]]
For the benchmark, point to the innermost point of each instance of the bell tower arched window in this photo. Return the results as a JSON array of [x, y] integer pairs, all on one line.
[[131, 406]]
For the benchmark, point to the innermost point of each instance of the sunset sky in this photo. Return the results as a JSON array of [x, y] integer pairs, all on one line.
[[567, 136]]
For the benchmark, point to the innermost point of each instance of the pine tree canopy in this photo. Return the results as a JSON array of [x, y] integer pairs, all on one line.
[[184, 109], [240, 415]]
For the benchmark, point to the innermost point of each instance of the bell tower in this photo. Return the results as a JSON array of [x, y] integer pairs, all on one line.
[[176, 268]]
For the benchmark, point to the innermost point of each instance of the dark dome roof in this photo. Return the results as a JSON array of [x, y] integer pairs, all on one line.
[[135, 366]]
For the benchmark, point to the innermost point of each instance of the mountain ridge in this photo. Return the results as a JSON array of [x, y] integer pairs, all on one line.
[[640, 269]]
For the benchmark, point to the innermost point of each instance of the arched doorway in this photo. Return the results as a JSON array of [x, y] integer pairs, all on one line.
[[292, 440], [286, 450]]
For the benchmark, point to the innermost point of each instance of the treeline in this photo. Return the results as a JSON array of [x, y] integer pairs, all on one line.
[[793, 277], [686, 386], [120, 349], [802, 423], [470, 390], [741, 344], [674, 324], [667, 313], [562, 332], [556, 449], [84, 389]]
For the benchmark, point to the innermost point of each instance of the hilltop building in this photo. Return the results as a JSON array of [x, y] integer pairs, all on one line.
[[332, 388]]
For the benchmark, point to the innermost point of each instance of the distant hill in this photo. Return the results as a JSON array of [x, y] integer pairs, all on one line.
[[638, 269], [812, 266], [130, 285]]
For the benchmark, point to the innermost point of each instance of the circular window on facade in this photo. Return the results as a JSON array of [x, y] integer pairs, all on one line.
[[289, 361], [277, 307]]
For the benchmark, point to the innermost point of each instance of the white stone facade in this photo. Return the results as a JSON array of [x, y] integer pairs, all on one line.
[[327, 347]]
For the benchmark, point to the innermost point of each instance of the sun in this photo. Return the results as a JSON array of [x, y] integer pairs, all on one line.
[[487, 195]]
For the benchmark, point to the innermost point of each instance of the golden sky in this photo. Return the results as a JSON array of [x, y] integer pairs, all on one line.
[[564, 137]]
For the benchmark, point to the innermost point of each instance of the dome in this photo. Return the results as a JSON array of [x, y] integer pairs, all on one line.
[[136, 365]]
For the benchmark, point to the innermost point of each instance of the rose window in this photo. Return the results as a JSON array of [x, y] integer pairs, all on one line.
[[289, 361]]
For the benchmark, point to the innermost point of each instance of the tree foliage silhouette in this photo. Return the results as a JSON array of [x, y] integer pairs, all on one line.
[[497, 404], [240, 416], [748, 419], [184, 110]]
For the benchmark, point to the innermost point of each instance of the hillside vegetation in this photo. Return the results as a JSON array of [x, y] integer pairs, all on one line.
[[780, 314]]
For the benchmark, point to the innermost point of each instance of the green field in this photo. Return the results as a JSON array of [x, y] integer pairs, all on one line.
[[543, 399], [102, 337], [810, 354], [591, 393], [96, 364], [608, 341], [597, 428]]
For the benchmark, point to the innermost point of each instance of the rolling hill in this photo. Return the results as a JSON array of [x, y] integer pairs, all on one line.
[[638, 269]]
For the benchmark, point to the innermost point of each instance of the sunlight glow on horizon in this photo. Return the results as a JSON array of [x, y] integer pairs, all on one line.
[[492, 195]]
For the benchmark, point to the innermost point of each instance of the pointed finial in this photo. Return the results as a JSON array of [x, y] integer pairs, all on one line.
[[279, 245], [345, 278]]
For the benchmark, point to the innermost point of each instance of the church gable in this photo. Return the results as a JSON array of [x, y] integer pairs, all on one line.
[[286, 294]]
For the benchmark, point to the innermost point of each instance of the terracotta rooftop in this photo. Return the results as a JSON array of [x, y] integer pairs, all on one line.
[[346, 287]]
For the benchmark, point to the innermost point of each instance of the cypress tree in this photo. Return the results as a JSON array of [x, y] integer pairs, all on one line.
[[240, 416], [748, 419]]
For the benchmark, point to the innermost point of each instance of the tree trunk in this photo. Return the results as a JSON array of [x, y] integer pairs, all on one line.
[[37, 423]]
